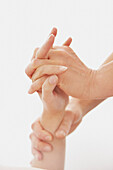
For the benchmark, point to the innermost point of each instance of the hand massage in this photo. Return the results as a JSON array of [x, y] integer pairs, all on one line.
[[57, 73], [68, 90]]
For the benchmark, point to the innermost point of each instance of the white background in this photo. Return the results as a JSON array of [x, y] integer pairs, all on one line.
[[24, 25]]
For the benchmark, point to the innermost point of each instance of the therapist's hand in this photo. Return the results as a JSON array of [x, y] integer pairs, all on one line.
[[77, 81], [40, 138]]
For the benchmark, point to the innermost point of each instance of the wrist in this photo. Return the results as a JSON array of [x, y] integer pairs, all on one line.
[[90, 84], [103, 87], [51, 121]]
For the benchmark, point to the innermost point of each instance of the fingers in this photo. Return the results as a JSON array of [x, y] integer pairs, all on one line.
[[34, 54], [39, 144], [41, 53], [74, 126], [53, 31], [40, 132], [65, 125], [48, 87], [36, 85], [37, 154], [68, 42], [48, 70]]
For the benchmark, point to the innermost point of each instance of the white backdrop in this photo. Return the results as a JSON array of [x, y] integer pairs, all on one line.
[[24, 25]]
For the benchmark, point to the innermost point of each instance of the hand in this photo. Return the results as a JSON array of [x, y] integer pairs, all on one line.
[[78, 75], [40, 138]]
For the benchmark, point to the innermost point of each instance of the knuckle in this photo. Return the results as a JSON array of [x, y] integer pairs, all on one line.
[[33, 126], [26, 71], [34, 63], [33, 78], [30, 136]]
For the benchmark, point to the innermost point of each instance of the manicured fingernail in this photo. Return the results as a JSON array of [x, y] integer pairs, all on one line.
[[53, 79], [48, 138], [63, 68], [47, 148], [60, 133], [50, 36]]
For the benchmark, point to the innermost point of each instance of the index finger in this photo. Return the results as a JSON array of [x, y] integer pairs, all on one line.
[[41, 53], [54, 32]]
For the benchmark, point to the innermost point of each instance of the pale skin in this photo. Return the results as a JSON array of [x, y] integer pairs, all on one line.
[[72, 116], [74, 113], [54, 103], [85, 82]]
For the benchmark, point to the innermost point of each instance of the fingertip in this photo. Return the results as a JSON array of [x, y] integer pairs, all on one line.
[[68, 42], [38, 157], [30, 91], [53, 79], [60, 134], [51, 37], [48, 138], [54, 31]]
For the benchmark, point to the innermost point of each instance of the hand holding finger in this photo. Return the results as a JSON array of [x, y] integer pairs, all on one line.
[[41, 53], [39, 144], [48, 70], [40, 132]]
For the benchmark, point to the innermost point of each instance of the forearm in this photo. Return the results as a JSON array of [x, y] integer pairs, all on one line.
[[103, 86], [87, 105], [53, 160], [84, 105]]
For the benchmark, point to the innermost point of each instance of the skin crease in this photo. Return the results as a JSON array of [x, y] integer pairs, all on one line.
[[59, 101], [77, 107], [50, 120], [72, 118], [90, 84], [76, 68]]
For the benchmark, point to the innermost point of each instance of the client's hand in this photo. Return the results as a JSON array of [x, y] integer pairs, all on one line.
[[54, 104]]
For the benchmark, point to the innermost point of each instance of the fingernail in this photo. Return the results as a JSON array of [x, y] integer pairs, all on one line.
[[38, 157], [53, 79], [48, 138], [51, 35], [63, 68], [60, 133], [47, 148]]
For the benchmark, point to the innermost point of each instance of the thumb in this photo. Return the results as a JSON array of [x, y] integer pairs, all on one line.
[[48, 87]]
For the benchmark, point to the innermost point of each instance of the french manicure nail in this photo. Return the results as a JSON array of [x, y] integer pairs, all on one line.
[[63, 68]]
